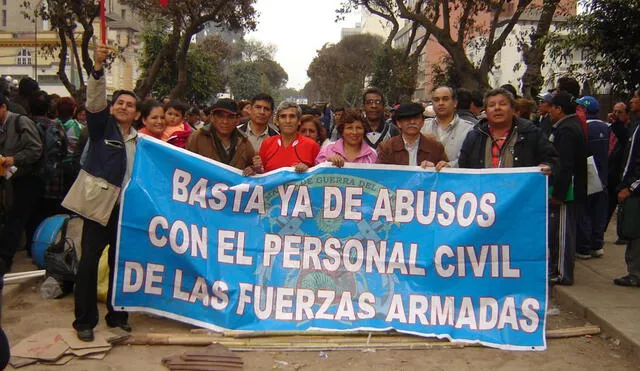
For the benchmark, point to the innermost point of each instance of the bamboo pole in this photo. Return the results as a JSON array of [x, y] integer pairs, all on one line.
[[22, 276], [300, 341]]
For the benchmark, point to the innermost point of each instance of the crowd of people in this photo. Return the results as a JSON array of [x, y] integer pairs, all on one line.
[[53, 149]]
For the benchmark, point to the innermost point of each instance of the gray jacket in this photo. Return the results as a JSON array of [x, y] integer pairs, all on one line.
[[452, 137], [20, 139]]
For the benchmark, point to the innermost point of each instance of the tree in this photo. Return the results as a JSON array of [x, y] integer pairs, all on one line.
[[249, 78], [64, 17], [606, 34], [453, 24], [338, 72], [186, 18], [445, 74], [206, 63], [255, 71], [533, 50], [394, 74]]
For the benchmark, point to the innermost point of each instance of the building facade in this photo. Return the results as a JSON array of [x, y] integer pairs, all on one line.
[[509, 66], [29, 47]]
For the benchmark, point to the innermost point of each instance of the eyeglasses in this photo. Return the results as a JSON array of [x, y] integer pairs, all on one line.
[[373, 101]]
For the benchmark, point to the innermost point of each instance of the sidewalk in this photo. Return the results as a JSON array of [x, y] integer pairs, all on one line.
[[614, 308]]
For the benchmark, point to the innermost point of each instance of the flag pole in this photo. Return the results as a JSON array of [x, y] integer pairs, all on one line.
[[103, 24]]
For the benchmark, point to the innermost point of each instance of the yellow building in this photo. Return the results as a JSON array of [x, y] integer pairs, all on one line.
[[22, 41]]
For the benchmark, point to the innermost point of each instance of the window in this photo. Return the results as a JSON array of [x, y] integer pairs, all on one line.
[[123, 12], [4, 18], [24, 57]]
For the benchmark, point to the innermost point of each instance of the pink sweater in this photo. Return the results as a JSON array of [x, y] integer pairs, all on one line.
[[367, 154]]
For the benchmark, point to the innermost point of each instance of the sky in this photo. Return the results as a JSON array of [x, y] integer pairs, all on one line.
[[298, 28]]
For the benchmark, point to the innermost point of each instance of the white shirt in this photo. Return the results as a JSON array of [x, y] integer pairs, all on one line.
[[413, 151]]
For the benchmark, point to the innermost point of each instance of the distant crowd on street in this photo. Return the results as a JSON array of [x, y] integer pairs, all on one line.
[[53, 146]]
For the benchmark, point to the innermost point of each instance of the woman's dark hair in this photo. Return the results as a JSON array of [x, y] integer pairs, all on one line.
[[322, 135], [350, 116], [145, 110], [66, 106], [148, 106]]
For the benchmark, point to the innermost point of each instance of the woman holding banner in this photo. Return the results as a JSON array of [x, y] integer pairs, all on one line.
[[351, 146]]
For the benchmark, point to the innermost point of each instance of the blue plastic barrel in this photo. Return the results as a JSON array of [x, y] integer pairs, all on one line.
[[46, 234]]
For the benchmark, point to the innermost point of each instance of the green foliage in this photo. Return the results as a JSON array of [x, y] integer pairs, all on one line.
[[339, 71], [206, 63], [395, 74], [445, 74], [258, 74], [65, 17], [186, 18], [606, 33]]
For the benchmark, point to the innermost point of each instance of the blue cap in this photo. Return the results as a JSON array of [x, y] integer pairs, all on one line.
[[545, 97], [589, 103]]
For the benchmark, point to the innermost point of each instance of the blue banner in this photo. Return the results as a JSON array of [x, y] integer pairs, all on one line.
[[459, 254]]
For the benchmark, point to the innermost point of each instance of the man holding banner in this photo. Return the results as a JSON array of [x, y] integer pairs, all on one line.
[[95, 193], [411, 147], [500, 140]]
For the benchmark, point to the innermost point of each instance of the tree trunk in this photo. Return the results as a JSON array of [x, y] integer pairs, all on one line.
[[533, 55], [145, 84], [181, 62], [62, 63]]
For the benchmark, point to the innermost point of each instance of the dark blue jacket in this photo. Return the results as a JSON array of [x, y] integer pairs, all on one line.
[[107, 157], [532, 148], [598, 145]]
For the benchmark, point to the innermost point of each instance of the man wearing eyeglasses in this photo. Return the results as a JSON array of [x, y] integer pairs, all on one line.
[[379, 129]]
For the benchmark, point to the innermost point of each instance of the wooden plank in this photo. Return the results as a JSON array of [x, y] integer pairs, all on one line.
[[573, 332]]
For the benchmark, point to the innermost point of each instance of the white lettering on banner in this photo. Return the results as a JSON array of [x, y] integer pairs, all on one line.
[[401, 206], [214, 296], [245, 198], [299, 304], [133, 277], [136, 276], [229, 241], [500, 260], [152, 278], [352, 202], [333, 203], [487, 315], [305, 251], [181, 237], [413, 205]]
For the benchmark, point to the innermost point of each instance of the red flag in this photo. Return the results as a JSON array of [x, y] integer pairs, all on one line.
[[164, 3], [103, 24]]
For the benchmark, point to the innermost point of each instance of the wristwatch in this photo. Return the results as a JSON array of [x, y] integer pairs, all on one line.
[[97, 74]]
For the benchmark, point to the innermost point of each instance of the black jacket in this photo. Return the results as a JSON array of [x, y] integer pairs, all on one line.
[[568, 139], [531, 148], [631, 165]]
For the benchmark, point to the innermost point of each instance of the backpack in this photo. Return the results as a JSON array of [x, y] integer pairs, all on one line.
[[54, 147]]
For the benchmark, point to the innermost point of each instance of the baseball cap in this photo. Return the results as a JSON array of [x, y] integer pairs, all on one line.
[[227, 105], [545, 97], [590, 103]]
